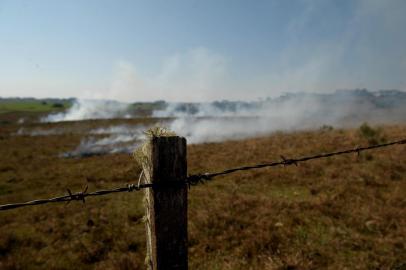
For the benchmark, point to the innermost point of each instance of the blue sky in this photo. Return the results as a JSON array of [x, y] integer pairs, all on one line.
[[199, 50]]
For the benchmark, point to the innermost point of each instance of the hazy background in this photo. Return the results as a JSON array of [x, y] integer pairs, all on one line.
[[199, 50]]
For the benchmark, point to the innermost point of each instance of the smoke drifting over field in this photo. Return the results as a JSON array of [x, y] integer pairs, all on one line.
[[83, 109], [115, 139], [98, 141], [225, 120], [218, 121]]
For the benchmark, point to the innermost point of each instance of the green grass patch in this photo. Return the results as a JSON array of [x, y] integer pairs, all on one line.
[[32, 106]]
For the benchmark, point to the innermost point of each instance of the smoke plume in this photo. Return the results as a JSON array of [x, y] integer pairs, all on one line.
[[219, 121], [83, 109]]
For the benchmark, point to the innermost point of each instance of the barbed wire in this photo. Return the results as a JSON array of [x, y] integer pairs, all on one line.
[[190, 180], [202, 177], [79, 196]]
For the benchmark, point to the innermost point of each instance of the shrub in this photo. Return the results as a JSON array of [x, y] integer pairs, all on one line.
[[372, 135], [58, 105], [326, 128]]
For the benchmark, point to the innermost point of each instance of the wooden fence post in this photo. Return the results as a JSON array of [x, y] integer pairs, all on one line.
[[166, 204]]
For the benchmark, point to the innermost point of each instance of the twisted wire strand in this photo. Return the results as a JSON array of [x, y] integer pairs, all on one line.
[[190, 180], [79, 196]]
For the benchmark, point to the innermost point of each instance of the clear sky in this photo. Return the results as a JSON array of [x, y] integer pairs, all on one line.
[[199, 50]]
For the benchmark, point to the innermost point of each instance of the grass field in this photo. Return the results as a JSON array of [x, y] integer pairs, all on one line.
[[12, 105], [345, 212]]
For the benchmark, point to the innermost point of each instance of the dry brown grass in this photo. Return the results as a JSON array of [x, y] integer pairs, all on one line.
[[345, 212]]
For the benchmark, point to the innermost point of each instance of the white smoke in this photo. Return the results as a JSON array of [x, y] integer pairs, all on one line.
[[211, 124], [108, 145], [83, 109], [226, 120], [214, 109], [39, 132], [219, 121], [121, 129], [99, 141], [115, 139]]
